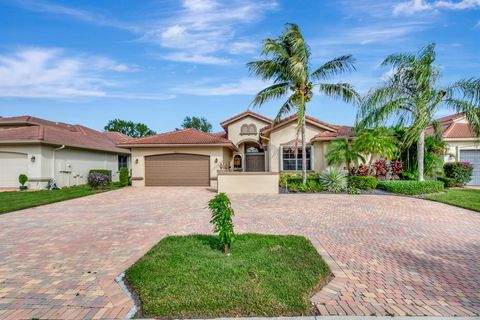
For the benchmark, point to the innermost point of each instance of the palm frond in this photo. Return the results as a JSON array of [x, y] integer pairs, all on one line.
[[275, 91], [343, 91], [266, 69], [334, 67]]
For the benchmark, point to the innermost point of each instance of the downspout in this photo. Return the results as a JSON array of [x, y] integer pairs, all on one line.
[[53, 160]]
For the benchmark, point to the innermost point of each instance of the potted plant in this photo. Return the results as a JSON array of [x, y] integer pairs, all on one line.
[[23, 179]]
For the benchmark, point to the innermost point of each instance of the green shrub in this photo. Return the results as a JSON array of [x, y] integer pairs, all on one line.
[[124, 177], [105, 172], [353, 190], [459, 173], [411, 187], [222, 213], [97, 180], [22, 178], [449, 182], [296, 185], [286, 176], [333, 180], [363, 182]]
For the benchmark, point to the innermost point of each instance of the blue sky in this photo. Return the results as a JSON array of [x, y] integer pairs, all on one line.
[[158, 61]]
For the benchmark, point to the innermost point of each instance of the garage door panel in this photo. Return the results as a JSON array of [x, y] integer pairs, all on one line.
[[11, 166], [472, 156], [177, 170]]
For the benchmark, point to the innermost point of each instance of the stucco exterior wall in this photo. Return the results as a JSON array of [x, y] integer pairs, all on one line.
[[248, 182], [284, 136], [70, 167], [234, 130], [455, 146], [138, 160]]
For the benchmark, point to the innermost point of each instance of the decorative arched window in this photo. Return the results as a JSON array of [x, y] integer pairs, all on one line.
[[248, 129]]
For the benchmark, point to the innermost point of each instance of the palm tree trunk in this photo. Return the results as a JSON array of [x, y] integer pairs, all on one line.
[[421, 155], [304, 153]]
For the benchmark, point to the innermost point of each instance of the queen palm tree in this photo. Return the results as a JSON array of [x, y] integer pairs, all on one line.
[[287, 63], [342, 151], [412, 95]]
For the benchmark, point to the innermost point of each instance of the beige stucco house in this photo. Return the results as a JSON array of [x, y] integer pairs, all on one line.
[[44, 150], [250, 143]]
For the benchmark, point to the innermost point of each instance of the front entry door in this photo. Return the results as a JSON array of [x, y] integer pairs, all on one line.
[[255, 162]]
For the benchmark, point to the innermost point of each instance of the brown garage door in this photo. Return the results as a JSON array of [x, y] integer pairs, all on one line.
[[177, 170]]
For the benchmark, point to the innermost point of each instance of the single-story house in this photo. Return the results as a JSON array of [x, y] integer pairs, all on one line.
[[462, 144], [250, 142], [43, 150]]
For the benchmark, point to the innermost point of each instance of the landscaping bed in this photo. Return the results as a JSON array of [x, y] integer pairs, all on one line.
[[15, 200], [464, 198], [264, 275]]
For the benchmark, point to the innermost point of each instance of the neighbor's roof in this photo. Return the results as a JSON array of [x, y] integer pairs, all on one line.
[[340, 132], [245, 114], [180, 137], [452, 128], [26, 129]]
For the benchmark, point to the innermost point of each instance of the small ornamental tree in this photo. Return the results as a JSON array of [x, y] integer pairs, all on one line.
[[124, 177], [22, 179], [222, 213]]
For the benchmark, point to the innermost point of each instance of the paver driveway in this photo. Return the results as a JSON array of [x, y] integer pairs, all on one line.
[[390, 255]]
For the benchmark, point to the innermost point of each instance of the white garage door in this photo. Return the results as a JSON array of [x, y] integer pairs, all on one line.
[[11, 166], [472, 156]]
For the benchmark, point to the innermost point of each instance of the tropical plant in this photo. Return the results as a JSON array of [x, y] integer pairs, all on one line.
[[222, 213], [375, 143], [97, 180], [411, 187], [363, 182], [412, 95], [342, 151], [333, 179], [287, 63], [197, 123], [129, 128]]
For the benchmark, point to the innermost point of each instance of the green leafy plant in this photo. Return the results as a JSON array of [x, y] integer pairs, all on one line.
[[363, 182], [22, 178], [105, 172], [341, 151], [97, 180], [222, 213], [376, 143], [411, 187], [287, 61], [457, 174], [297, 185], [333, 180], [353, 190], [286, 176], [124, 177]]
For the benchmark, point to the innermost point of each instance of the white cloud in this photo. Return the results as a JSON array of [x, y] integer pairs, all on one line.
[[207, 88], [415, 6], [53, 73], [205, 31]]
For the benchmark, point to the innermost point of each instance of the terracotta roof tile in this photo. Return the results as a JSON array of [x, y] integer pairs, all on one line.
[[186, 136], [28, 128], [452, 129]]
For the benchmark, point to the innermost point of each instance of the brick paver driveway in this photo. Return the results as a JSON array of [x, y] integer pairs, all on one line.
[[390, 255]]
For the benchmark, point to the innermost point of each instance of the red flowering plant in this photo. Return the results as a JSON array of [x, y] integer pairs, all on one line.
[[395, 169], [381, 169]]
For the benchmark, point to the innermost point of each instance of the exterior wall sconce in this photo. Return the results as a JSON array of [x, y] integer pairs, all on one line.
[[136, 161], [32, 158], [216, 160]]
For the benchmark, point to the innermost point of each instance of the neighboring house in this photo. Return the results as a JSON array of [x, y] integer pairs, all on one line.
[[44, 149], [462, 145], [250, 142]]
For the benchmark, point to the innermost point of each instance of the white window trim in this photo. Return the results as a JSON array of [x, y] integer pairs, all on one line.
[[312, 158]]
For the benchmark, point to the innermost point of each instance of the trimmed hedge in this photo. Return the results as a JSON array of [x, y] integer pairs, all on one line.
[[296, 185], [105, 172], [363, 182], [410, 187], [124, 177], [287, 176]]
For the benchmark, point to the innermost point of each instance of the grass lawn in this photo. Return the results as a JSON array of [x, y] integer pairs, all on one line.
[[464, 198], [265, 275], [15, 200]]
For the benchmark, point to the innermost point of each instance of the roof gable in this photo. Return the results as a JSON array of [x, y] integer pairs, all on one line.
[[242, 115]]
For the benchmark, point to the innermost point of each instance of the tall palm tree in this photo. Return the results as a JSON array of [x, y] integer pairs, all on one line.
[[342, 151], [287, 63], [412, 95], [377, 142]]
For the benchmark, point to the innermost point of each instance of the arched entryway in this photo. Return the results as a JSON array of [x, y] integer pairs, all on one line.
[[254, 157]]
